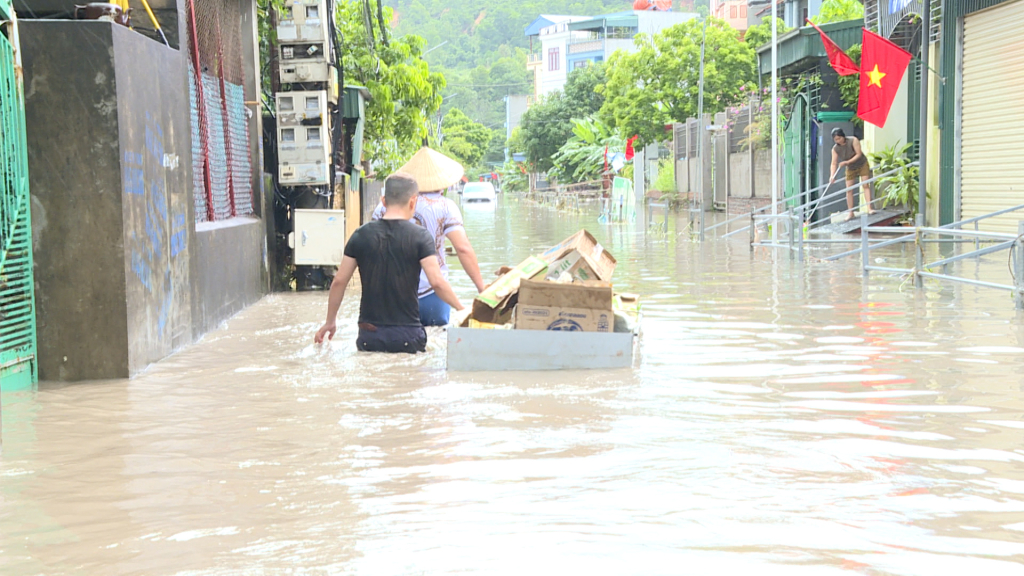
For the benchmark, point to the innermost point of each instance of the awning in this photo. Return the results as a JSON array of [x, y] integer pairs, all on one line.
[[802, 44], [624, 20]]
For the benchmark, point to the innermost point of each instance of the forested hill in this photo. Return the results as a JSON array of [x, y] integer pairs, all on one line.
[[485, 55], [476, 30]]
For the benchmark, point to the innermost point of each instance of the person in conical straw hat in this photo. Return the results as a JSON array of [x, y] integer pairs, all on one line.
[[435, 173]]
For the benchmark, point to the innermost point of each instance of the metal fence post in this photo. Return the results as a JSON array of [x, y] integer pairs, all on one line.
[[864, 252], [753, 231], [1018, 272], [798, 224], [918, 252], [789, 224]]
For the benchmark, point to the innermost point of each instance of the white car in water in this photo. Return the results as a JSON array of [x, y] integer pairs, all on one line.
[[479, 192]]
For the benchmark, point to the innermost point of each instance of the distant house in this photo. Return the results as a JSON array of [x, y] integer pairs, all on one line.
[[549, 44], [596, 39], [793, 12], [734, 12]]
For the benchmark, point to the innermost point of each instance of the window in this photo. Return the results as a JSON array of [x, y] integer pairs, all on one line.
[[732, 11], [287, 104], [312, 103], [553, 59], [288, 135], [743, 11], [313, 134], [312, 12]]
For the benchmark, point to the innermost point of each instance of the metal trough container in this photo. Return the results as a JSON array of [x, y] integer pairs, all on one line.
[[477, 350]]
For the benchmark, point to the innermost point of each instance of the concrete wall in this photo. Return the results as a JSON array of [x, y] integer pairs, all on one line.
[[77, 203], [123, 275]]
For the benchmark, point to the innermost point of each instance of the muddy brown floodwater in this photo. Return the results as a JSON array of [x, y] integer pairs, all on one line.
[[783, 419]]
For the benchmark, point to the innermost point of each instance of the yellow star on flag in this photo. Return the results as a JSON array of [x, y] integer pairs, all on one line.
[[875, 77]]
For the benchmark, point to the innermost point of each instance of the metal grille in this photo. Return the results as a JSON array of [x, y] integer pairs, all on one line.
[[17, 302], [679, 140], [877, 15], [738, 123], [691, 126], [220, 129]]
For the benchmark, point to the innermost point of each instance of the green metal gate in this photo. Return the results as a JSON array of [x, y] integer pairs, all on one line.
[[18, 367]]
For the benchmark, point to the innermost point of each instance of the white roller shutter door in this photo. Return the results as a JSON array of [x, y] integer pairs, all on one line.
[[992, 144]]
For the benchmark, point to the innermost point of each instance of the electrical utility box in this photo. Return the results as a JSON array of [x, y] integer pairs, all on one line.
[[319, 237], [303, 138], [303, 21], [303, 62]]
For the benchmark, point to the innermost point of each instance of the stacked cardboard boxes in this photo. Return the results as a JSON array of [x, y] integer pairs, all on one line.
[[567, 288]]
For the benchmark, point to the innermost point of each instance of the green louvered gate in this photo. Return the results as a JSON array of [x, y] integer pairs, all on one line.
[[17, 304]]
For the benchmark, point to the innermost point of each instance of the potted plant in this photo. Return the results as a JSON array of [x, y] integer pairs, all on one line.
[[900, 188]]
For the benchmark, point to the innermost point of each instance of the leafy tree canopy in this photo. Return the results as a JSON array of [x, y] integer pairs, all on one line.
[[547, 125], [464, 140], [839, 11], [761, 34], [404, 90], [658, 85]]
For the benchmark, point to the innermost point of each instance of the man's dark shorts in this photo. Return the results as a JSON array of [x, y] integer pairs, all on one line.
[[395, 339]]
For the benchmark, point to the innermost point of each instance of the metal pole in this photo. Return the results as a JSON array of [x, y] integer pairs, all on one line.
[[792, 240], [926, 36], [800, 239], [775, 119], [919, 252], [701, 129], [753, 231], [864, 249], [1018, 273]]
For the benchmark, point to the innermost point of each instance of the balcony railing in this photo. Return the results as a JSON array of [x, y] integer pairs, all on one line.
[[588, 46], [534, 59]]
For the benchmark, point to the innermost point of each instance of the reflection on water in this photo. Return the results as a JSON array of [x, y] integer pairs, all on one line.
[[785, 419]]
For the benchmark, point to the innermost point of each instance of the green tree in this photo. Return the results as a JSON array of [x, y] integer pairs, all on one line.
[[405, 92], [757, 36], [547, 125], [839, 11], [582, 158], [464, 140], [659, 84]]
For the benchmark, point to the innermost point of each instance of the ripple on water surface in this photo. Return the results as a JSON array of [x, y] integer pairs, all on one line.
[[784, 419]]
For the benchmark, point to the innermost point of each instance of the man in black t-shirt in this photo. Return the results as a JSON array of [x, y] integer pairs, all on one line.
[[389, 254]]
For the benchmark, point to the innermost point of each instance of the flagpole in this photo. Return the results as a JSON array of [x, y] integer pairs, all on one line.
[[922, 156], [775, 122], [701, 129]]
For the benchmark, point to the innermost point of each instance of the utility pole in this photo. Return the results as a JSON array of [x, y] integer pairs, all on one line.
[[922, 193], [775, 122], [701, 128]]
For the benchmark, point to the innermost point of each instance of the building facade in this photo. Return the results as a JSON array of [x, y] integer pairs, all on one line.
[[734, 12], [149, 213]]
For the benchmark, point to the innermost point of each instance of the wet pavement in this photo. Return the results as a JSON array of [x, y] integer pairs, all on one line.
[[783, 419]]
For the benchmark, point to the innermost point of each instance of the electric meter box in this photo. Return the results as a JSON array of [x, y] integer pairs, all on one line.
[[303, 138], [302, 62], [303, 20], [319, 237]]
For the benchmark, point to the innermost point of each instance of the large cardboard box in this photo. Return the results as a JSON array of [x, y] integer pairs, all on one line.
[[495, 304], [579, 257], [565, 307]]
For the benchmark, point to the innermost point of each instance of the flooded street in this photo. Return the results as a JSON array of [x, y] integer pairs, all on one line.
[[783, 419]]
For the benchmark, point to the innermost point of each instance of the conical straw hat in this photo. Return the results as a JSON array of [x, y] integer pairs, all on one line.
[[432, 170]]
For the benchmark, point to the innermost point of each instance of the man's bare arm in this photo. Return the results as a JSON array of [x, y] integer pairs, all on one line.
[[441, 286], [467, 257], [341, 280]]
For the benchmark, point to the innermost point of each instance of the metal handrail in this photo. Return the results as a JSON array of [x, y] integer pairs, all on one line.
[[944, 227], [808, 203]]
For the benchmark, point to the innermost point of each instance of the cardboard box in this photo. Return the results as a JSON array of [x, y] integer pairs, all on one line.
[[590, 257], [565, 307], [572, 268], [495, 304], [530, 317]]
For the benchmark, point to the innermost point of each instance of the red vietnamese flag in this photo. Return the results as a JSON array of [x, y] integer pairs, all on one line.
[[629, 148], [842, 63], [882, 66]]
